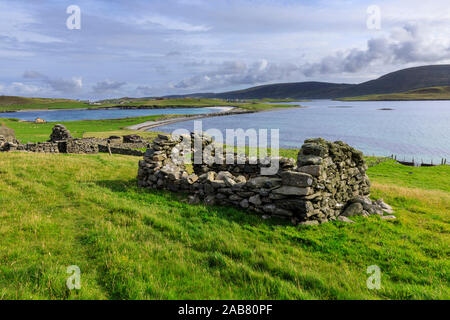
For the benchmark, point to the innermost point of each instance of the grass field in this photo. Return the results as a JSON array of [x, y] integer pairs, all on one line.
[[32, 132], [86, 210], [432, 93], [8, 103]]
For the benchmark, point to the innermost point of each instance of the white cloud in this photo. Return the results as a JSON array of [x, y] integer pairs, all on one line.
[[408, 45], [17, 23], [170, 24], [19, 88], [67, 86], [170, 46], [107, 86]]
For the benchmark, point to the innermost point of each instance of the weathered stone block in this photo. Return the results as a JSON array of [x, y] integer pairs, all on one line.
[[263, 182], [296, 179], [256, 200], [292, 191], [313, 170], [314, 149], [355, 209], [306, 160]]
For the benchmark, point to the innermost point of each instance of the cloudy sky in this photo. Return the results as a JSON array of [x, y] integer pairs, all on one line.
[[151, 47]]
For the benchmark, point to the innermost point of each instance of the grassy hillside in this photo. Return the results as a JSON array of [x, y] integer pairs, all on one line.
[[62, 210], [11, 103], [403, 80], [432, 93], [19, 103], [176, 102], [394, 82], [297, 90]]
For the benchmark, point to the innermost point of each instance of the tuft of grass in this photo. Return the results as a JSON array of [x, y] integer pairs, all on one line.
[[130, 243]]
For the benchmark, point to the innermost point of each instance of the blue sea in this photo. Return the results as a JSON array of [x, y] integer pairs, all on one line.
[[97, 114], [407, 129], [410, 129]]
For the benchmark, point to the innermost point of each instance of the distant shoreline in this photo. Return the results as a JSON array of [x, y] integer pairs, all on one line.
[[235, 111], [118, 107], [390, 100]]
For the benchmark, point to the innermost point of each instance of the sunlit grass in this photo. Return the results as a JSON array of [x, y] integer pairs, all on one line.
[[130, 243]]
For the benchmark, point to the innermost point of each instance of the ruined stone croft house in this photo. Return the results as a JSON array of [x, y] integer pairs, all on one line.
[[327, 183]]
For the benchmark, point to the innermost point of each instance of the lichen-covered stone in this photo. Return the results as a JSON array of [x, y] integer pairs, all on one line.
[[355, 209]]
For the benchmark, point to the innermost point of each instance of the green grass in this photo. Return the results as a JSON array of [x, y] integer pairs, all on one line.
[[431, 93], [32, 132], [130, 243], [429, 178]]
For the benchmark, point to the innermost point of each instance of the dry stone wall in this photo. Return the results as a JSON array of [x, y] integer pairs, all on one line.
[[120, 150], [61, 141], [327, 183], [44, 147]]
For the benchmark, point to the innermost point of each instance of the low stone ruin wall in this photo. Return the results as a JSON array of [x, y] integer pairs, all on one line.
[[328, 182], [79, 146], [61, 141], [118, 150], [44, 147]]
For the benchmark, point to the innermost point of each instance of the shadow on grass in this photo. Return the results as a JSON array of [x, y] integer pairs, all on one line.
[[118, 185], [178, 200]]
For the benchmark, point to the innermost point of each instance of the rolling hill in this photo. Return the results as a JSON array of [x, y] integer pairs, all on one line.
[[430, 93], [295, 90], [395, 82], [13, 103], [13, 100], [403, 80]]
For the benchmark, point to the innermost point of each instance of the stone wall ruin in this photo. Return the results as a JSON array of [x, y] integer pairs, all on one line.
[[327, 183], [61, 141]]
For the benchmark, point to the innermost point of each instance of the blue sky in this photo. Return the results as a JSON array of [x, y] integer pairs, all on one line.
[[151, 48]]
